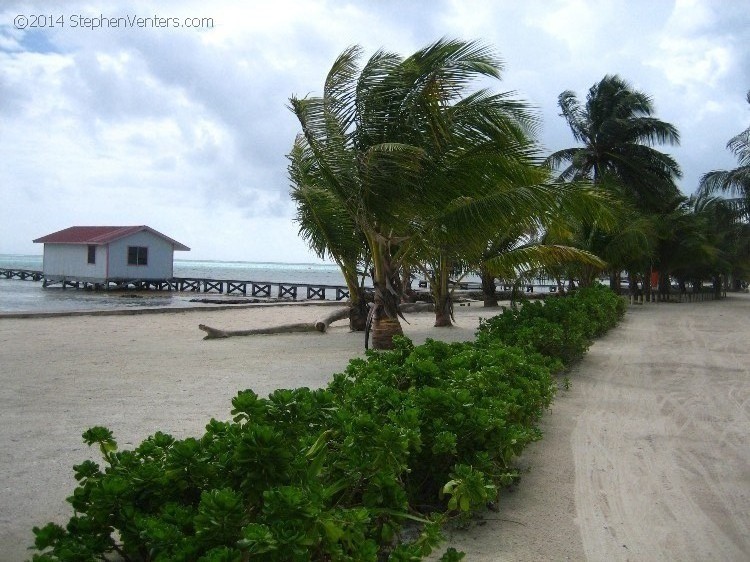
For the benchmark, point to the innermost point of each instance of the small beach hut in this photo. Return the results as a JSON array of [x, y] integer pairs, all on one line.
[[100, 255]]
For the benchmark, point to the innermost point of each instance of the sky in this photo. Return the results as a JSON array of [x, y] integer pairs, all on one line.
[[115, 116]]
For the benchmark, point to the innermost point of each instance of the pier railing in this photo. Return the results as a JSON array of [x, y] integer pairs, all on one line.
[[261, 289], [23, 274]]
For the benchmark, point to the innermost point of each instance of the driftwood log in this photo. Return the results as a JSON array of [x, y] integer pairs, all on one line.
[[319, 326]]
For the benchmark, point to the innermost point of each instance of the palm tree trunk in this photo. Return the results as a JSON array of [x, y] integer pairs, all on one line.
[[407, 293], [384, 328], [587, 276], [632, 284], [717, 285], [385, 323], [357, 298], [560, 285], [358, 310], [443, 312], [489, 289], [441, 293], [615, 280], [664, 286]]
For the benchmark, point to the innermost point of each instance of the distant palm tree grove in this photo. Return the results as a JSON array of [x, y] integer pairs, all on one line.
[[406, 169]]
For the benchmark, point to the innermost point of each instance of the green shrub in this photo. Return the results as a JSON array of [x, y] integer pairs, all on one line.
[[458, 403], [562, 328], [255, 485]]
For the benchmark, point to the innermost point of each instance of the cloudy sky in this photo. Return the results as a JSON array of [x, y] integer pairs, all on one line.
[[186, 129]]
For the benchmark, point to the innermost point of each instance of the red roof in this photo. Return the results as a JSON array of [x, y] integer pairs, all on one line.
[[99, 235]]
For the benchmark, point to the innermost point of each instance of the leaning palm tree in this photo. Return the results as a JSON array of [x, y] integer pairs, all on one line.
[[328, 229], [458, 238], [736, 182], [508, 245], [400, 140], [617, 129]]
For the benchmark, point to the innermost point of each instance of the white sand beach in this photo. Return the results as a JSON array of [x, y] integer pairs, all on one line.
[[646, 457]]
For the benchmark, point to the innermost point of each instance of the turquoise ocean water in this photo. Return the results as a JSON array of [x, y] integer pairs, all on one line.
[[30, 296]]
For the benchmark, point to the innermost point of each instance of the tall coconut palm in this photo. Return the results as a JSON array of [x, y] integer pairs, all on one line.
[[618, 132], [400, 140], [736, 182], [617, 129]]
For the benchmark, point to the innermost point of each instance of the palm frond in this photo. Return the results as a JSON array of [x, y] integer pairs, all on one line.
[[736, 182], [525, 259]]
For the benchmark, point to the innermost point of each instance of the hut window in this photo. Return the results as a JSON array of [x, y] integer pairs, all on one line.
[[137, 255], [92, 254]]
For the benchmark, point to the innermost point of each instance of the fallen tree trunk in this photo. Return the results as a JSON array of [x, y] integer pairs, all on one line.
[[319, 326]]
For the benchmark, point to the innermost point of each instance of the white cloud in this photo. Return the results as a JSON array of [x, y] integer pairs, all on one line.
[[686, 61], [573, 23], [695, 49]]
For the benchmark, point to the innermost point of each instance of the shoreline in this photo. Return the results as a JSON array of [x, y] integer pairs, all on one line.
[[162, 310], [195, 308]]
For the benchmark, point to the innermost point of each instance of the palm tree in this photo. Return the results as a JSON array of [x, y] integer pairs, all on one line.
[[471, 234], [627, 243], [683, 242], [328, 229], [737, 181], [617, 131], [727, 239], [425, 168], [519, 250], [400, 140], [502, 244]]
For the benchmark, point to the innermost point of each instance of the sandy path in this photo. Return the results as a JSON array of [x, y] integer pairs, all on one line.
[[647, 457], [662, 447]]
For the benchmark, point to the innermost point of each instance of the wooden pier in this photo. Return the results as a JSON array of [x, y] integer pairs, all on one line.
[[259, 289], [256, 289], [23, 274]]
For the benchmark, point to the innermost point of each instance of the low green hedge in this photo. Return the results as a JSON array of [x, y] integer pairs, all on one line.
[[561, 327], [367, 469]]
